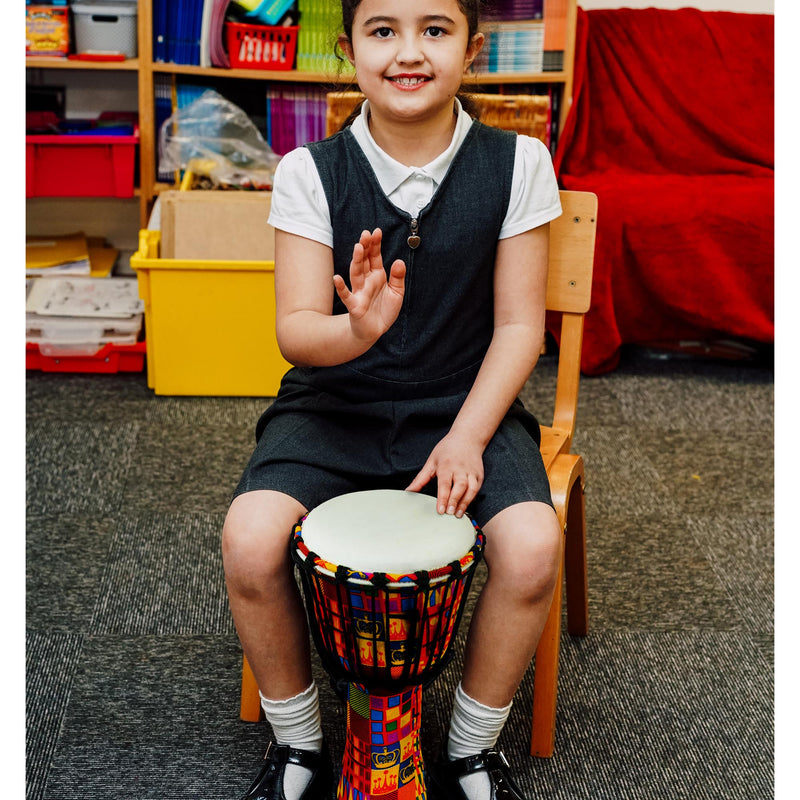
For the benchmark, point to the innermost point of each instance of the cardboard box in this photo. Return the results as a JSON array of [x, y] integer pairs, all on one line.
[[217, 225], [46, 30]]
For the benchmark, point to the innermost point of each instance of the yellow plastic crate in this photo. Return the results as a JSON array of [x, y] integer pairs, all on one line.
[[210, 325]]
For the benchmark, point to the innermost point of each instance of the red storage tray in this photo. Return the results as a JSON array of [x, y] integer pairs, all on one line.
[[109, 358], [74, 165], [261, 46]]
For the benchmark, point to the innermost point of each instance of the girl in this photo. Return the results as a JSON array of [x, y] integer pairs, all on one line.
[[410, 271]]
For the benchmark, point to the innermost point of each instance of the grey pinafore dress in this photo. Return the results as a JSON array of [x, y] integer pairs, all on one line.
[[373, 422]]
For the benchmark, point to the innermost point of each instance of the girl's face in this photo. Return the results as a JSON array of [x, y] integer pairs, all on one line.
[[410, 56]]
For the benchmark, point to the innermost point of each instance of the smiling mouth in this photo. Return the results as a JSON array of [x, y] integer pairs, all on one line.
[[409, 81]]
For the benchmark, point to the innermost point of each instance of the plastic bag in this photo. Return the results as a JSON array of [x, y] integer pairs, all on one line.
[[212, 137]]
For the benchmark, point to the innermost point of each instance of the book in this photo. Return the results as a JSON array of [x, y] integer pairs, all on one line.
[[62, 255], [555, 34]]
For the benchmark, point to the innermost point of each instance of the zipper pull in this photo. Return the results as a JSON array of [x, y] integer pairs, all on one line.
[[413, 240]]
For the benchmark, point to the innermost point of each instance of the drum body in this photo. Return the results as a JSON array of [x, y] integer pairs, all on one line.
[[384, 631]]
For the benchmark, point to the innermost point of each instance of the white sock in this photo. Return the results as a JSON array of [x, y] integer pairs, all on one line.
[[474, 727], [296, 722]]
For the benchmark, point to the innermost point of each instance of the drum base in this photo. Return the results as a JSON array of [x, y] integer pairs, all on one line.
[[382, 753]]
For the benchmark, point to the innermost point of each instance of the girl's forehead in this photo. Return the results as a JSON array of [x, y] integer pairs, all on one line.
[[408, 9]]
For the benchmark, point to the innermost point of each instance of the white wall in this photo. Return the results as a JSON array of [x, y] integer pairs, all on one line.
[[740, 6]]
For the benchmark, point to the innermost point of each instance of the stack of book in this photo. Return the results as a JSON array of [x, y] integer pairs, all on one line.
[[295, 116], [523, 36], [514, 46], [320, 25]]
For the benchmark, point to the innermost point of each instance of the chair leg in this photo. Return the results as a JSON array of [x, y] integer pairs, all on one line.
[[575, 557], [566, 478], [250, 704], [545, 678]]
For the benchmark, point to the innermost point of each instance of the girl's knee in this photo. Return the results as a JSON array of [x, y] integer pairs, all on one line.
[[524, 551], [255, 543]]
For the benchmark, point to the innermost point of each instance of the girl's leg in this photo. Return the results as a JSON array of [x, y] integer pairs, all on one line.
[[271, 623], [523, 552], [264, 598]]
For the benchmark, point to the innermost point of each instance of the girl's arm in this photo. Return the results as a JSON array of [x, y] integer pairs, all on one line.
[[520, 285], [308, 333]]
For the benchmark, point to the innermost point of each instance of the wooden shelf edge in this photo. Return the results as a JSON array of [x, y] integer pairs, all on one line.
[[48, 62], [299, 76]]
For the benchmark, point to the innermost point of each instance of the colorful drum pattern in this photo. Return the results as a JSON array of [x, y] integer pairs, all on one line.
[[385, 635]]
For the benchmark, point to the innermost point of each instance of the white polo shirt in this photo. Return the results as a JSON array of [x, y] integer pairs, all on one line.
[[299, 204]]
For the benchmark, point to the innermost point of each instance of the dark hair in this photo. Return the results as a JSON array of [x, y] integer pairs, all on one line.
[[471, 10]]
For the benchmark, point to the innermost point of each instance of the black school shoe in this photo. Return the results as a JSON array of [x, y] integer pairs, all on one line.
[[268, 785], [445, 776]]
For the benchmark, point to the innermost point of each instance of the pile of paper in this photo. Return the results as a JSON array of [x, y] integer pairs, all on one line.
[[73, 254]]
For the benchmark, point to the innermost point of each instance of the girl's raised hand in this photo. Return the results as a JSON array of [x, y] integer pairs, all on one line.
[[372, 301]]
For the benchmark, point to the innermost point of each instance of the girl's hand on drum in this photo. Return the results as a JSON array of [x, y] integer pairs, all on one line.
[[372, 301], [457, 465]]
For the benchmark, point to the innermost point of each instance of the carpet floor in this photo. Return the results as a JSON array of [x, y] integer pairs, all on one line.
[[133, 665]]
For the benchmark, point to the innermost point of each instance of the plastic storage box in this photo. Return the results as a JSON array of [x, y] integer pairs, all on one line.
[[261, 46], [210, 324], [105, 26], [67, 165]]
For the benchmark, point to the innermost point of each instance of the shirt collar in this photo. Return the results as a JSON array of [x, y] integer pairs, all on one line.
[[391, 173]]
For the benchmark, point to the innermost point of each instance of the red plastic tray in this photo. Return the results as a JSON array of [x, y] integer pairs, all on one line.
[[110, 358]]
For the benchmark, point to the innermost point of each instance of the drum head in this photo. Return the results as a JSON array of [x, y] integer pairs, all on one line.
[[386, 530]]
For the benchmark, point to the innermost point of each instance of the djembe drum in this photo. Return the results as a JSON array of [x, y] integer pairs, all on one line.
[[385, 579]]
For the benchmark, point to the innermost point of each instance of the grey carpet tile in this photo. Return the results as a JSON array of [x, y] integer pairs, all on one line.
[[50, 663], [76, 397], [79, 467], [65, 557], [646, 571], [644, 716], [233, 412], [186, 467], [715, 473], [164, 576], [709, 402], [740, 550], [155, 718], [619, 472], [102, 398]]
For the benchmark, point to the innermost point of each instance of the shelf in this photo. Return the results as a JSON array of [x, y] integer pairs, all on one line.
[[298, 76], [290, 76], [48, 62]]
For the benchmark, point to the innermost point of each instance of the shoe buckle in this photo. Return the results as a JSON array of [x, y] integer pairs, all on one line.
[[503, 759], [269, 747]]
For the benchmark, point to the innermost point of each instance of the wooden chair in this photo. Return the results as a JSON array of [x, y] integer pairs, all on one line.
[[569, 287], [523, 113]]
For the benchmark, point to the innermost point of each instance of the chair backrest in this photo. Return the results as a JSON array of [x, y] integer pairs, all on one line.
[[569, 291], [523, 113]]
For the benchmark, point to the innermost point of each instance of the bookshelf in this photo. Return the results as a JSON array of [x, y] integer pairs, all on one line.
[[145, 69]]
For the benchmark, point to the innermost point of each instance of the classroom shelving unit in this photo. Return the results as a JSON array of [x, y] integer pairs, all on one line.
[[145, 68]]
